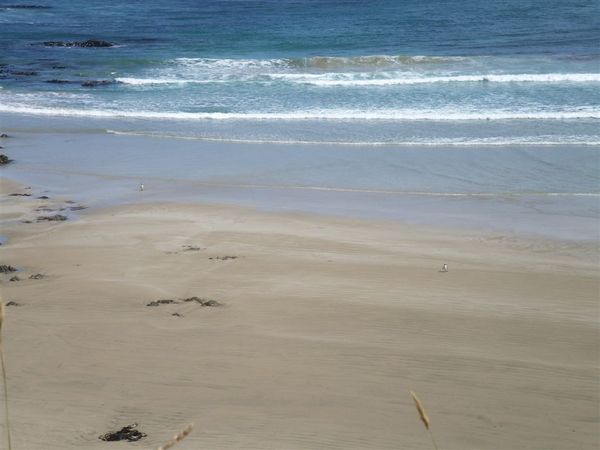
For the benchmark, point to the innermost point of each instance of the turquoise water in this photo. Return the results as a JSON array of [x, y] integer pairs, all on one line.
[[408, 72]]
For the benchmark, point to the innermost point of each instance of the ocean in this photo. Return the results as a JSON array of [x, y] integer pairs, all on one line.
[[441, 98], [391, 71]]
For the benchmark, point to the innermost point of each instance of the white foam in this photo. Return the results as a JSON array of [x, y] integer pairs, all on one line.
[[366, 79], [424, 142], [326, 81], [231, 63], [154, 81], [331, 114]]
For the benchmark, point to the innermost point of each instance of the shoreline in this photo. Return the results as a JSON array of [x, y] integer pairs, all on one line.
[[437, 186], [43, 203]]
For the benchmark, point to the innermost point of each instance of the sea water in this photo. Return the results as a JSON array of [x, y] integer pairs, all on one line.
[[441, 98]]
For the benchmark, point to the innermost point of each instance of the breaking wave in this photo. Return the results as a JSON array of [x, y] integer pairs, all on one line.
[[326, 114], [321, 62]]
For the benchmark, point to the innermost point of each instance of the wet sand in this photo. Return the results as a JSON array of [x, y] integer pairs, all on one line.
[[325, 326]]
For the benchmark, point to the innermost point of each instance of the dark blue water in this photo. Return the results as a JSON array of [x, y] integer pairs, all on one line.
[[284, 28], [342, 71]]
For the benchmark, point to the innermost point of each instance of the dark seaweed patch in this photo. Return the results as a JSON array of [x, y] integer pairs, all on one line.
[[128, 433]]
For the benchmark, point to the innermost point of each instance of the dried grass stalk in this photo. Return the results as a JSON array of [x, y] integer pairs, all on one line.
[[178, 437], [421, 410], [424, 417], [6, 415]]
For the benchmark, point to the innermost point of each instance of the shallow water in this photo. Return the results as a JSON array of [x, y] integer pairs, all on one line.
[[543, 190]]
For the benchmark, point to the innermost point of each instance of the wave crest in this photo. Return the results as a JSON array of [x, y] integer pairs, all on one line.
[[326, 114], [320, 62], [363, 79]]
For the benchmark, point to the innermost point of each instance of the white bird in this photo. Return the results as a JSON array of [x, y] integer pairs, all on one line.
[[445, 268], [141, 187]]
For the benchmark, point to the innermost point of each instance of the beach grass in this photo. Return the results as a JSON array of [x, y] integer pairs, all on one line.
[[424, 417], [178, 437], [4, 384]]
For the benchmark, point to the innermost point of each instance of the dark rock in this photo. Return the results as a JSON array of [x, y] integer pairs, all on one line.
[[4, 135], [4, 268], [4, 159], [37, 276], [128, 433], [26, 221], [54, 218], [58, 44], [55, 81], [223, 258], [90, 43], [26, 7], [15, 278], [176, 315], [11, 303], [161, 302], [95, 83], [24, 73], [43, 197], [200, 301], [77, 208], [94, 43], [16, 194]]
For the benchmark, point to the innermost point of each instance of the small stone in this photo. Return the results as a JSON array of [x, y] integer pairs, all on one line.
[[4, 268], [161, 302], [54, 218], [211, 303], [202, 301]]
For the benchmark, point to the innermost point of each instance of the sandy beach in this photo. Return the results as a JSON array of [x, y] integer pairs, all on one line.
[[281, 220], [324, 326]]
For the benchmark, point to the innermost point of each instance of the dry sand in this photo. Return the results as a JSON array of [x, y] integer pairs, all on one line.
[[326, 325]]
